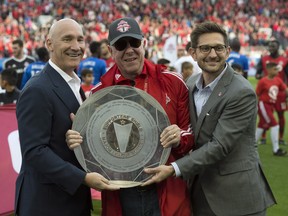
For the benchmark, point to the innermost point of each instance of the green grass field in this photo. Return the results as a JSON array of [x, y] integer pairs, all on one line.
[[275, 168]]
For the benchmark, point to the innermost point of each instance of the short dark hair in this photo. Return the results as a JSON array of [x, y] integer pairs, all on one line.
[[271, 65], [274, 41], [10, 75], [42, 53], [188, 45], [207, 27], [235, 44], [163, 61], [94, 48], [19, 42], [186, 65], [86, 71], [237, 66], [104, 41]]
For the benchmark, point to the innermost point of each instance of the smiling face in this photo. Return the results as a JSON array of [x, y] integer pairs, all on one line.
[[66, 44], [130, 61], [212, 62]]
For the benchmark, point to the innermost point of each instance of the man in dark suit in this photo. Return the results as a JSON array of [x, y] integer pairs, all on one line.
[[223, 170], [51, 181]]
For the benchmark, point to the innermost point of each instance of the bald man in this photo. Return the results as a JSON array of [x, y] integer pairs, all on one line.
[[51, 181]]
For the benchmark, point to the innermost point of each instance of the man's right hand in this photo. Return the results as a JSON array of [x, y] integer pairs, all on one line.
[[98, 182], [93, 180]]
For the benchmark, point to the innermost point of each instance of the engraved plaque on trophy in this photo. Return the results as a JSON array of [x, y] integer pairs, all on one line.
[[121, 128]]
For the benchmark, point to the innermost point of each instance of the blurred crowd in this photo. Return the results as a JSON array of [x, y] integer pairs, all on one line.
[[252, 22]]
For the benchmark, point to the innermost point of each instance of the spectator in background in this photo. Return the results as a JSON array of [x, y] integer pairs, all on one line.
[[186, 70], [8, 80], [165, 62], [267, 90], [187, 58], [105, 54], [35, 67], [94, 63], [282, 65], [18, 61], [181, 51], [87, 81], [236, 58]]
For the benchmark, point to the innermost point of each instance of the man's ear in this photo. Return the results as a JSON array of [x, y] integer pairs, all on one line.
[[110, 50], [192, 52], [228, 51], [48, 45]]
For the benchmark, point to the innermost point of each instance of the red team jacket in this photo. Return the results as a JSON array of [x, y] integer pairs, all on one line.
[[172, 93]]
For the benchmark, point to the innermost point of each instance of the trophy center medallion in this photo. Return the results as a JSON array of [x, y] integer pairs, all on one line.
[[122, 136]]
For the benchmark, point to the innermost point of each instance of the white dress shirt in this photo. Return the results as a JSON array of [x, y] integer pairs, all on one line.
[[74, 82]]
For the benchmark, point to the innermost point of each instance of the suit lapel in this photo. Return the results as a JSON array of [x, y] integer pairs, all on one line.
[[191, 83], [192, 108], [62, 89], [217, 94]]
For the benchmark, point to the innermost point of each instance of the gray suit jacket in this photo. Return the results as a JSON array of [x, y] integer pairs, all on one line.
[[226, 158]]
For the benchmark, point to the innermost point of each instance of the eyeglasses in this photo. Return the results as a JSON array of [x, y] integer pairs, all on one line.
[[120, 45], [205, 49]]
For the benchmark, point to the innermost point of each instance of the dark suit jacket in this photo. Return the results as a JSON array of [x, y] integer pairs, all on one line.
[[50, 180], [226, 158]]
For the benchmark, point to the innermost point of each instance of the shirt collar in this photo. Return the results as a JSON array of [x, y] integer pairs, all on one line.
[[65, 76], [199, 81]]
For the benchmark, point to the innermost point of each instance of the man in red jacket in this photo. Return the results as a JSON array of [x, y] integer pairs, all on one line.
[[169, 197]]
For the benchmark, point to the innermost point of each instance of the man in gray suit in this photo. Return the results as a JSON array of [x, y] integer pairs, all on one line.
[[224, 171]]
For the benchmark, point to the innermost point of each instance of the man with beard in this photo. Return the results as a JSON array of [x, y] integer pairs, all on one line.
[[19, 61]]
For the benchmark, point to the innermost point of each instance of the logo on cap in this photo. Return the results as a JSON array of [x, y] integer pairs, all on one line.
[[123, 26]]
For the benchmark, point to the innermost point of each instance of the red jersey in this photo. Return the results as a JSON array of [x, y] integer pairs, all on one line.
[[87, 88], [268, 89], [282, 63], [172, 93]]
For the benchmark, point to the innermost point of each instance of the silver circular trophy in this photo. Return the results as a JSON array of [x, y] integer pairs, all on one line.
[[121, 127]]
